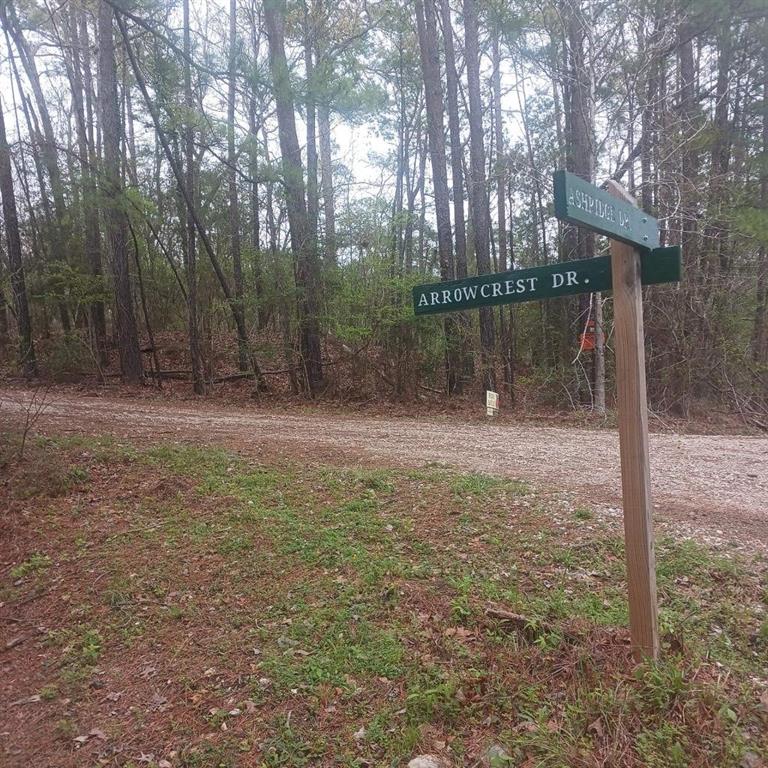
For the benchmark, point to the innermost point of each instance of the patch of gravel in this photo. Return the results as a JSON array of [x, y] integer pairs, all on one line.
[[710, 487]]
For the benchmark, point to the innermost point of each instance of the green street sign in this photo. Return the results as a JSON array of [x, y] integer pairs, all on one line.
[[582, 203], [662, 265]]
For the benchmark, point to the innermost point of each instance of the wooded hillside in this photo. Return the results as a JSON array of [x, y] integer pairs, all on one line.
[[206, 191]]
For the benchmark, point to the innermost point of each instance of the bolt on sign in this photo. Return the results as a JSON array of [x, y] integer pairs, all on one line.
[[636, 260]]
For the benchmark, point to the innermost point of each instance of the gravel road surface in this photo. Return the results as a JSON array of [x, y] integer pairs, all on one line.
[[713, 487]]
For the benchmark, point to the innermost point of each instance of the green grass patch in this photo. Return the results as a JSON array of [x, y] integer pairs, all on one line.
[[480, 485], [80, 647], [348, 609], [33, 564]]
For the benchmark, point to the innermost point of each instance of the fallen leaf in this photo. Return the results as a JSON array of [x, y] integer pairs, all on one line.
[[596, 727], [94, 733], [552, 726]]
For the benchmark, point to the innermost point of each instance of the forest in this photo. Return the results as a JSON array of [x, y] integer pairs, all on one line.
[[284, 482], [211, 193]]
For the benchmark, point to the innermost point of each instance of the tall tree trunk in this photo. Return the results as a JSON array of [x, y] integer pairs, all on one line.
[[234, 206], [430, 65], [27, 361], [538, 210], [538, 207], [397, 341], [454, 128], [271, 223], [4, 337], [716, 233], [567, 240], [253, 171], [255, 122], [582, 151], [478, 193], [155, 371], [303, 242], [500, 165], [501, 213], [48, 149], [426, 23], [423, 207], [326, 176], [285, 287], [661, 159], [36, 241], [648, 119], [415, 179], [420, 191], [91, 236], [690, 153], [457, 178], [760, 330], [190, 253], [401, 162], [694, 377], [311, 120], [599, 377], [116, 223]]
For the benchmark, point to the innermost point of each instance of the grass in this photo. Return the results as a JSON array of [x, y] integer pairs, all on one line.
[[35, 562], [481, 485], [582, 513], [80, 648], [233, 612]]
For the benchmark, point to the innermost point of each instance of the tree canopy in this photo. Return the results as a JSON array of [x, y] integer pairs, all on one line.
[[249, 190]]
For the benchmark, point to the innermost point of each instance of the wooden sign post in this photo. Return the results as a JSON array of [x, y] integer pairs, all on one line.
[[633, 442], [635, 260]]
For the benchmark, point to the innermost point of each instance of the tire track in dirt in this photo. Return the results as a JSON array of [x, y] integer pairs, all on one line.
[[711, 486]]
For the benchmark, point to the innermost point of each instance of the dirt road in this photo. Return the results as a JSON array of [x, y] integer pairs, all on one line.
[[712, 487]]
